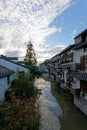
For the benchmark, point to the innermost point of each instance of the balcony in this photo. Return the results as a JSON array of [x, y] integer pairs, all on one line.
[[71, 66], [65, 66], [75, 66], [79, 75]]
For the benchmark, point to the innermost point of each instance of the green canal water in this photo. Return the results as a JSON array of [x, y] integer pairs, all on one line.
[[57, 109]]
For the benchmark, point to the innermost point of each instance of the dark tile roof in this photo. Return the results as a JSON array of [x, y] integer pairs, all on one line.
[[5, 58], [20, 62], [82, 33], [12, 58], [65, 50], [84, 44], [5, 71], [56, 55], [68, 48]]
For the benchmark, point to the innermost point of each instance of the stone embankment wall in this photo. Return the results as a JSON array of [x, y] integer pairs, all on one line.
[[81, 104]]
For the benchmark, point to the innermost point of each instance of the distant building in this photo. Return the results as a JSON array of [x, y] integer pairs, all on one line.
[[43, 68]]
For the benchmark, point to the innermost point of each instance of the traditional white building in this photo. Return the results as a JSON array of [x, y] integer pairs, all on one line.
[[8, 68], [80, 57], [6, 76], [72, 64]]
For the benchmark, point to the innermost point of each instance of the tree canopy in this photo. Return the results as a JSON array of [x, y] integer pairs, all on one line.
[[46, 62]]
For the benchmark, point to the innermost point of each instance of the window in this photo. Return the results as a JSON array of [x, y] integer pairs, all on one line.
[[83, 85], [86, 38], [83, 61], [78, 40], [83, 38]]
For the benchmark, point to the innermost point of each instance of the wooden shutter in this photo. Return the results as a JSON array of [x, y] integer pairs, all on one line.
[[83, 85], [85, 62], [82, 63]]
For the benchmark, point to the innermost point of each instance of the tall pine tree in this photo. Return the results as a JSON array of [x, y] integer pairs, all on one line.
[[30, 58]]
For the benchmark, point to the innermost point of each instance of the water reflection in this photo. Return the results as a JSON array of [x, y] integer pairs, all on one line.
[[72, 118], [57, 109]]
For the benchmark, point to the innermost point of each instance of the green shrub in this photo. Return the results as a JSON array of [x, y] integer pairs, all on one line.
[[20, 111], [19, 115], [22, 88]]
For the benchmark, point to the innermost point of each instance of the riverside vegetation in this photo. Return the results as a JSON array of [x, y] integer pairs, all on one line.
[[20, 110]]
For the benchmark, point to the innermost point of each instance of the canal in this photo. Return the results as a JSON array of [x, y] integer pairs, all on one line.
[[57, 109]]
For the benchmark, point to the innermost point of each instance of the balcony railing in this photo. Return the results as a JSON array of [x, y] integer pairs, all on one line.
[[71, 66], [79, 75]]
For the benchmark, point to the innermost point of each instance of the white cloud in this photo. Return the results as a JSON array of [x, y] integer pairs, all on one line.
[[59, 30], [47, 52], [22, 20], [74, 32]]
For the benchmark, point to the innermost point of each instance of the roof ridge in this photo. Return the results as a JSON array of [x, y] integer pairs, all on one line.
[[13, 62]]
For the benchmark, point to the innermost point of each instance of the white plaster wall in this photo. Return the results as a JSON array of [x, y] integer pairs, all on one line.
[[65, 73], [12, 66], [12, 77], [4, 86], [76, 83], [85, 96], [77, 54]]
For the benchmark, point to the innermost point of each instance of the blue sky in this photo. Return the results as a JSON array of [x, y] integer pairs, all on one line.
[[72, 21], [51, 25]]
